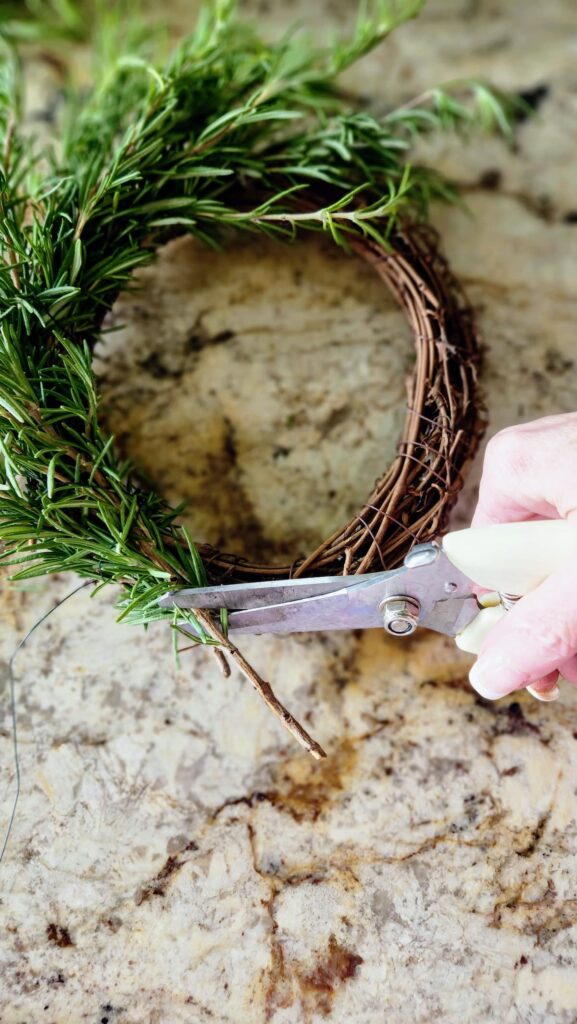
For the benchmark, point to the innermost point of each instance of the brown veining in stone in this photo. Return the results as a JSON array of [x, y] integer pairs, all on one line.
[[313, 986], [157, 886], [336, 966], [307, 794], [59, 935]]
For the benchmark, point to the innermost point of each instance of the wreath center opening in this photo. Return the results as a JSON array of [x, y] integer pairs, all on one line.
[[263, 384]]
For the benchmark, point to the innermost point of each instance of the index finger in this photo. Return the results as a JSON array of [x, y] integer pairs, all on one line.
[[530, 472]]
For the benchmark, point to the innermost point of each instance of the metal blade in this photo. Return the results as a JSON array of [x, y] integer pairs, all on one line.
[[341, 609], [266, 594]]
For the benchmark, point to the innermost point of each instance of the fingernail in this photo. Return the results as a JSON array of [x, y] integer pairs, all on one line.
[[481, 680], [545, 695]]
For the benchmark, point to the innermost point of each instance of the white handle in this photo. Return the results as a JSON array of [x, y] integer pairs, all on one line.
[[513, 558], [471, 639]]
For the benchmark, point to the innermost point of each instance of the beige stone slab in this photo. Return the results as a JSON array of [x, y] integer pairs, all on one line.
[[175, 858]]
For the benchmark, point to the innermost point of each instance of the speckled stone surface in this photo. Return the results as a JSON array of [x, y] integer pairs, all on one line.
[[175, 858]]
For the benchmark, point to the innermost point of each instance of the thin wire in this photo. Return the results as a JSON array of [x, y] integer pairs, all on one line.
[[373, 538], [12, 692], [397, 522]]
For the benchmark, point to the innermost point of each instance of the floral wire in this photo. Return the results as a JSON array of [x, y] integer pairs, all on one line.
[[372, 536], [397, 522], [429, 419], [429, 471], [13, 716]]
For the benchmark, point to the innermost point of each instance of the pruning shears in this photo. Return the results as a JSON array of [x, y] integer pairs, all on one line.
[[438, 587]]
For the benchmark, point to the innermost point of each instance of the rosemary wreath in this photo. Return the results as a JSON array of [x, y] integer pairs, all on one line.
[[229, 132]]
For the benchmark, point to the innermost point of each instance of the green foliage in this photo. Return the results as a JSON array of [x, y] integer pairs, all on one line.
[[228, 131], [39, 20]]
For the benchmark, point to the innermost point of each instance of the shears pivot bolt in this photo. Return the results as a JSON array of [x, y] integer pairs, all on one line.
[[400, 615]]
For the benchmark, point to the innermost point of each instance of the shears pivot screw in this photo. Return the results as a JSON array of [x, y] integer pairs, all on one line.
[[400, 615]]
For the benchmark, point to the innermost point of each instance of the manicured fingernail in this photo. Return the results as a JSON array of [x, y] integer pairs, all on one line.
[[481, 680], [545, 695]]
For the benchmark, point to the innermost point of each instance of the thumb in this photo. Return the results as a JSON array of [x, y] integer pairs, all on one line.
[[538, 636]]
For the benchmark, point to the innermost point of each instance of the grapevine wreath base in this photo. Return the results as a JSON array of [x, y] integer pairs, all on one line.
[[444, 422], [410, 503]]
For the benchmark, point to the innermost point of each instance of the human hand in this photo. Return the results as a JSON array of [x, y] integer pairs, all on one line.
[[530, 472]]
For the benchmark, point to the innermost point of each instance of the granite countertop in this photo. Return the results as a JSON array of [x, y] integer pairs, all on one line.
[[175, 857]]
